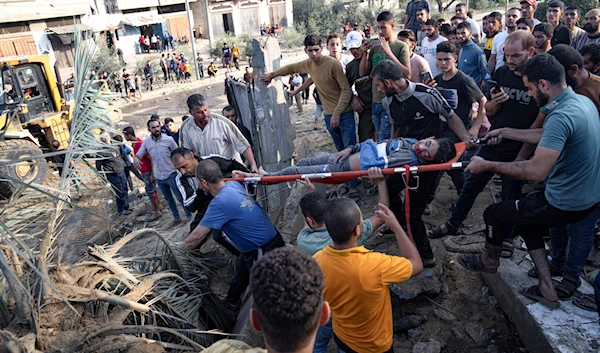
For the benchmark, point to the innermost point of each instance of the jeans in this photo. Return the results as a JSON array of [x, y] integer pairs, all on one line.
[[118, 181], [323, 164], [344, 135], [579, 238], [324, 335], [381, 120], [475, 183], [418, 201], [168, 187], [128, 171], [532, 214]]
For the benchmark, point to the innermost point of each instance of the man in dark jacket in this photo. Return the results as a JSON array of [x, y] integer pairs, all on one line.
[[110, 163]]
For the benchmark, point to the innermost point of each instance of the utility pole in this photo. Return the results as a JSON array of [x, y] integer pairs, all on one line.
[[192, 38]]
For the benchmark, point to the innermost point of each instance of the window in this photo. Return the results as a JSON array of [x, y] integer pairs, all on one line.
[[28, 82]]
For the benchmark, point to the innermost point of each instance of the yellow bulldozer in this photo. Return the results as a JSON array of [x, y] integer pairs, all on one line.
[[34, 111]]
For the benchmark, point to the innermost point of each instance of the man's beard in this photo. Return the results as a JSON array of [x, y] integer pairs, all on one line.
[[588, 27], [157, 133], [541, 99], [389, 91], [429, 35], [570, 81]]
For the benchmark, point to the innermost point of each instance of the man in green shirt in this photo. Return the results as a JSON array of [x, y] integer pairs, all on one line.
[[388, 48], [362, 100]]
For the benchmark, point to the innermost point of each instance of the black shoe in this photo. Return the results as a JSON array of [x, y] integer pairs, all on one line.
[[125, 213]]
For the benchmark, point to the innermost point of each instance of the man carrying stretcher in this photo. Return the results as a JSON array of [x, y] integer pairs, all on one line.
[[388, 154]]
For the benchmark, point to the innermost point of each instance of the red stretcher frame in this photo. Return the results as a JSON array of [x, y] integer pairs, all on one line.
[[343, 177]]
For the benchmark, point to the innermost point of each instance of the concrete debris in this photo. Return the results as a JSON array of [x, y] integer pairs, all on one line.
[[443, 315], [477, 333], [427, 347], [408, 322], [415, 332]]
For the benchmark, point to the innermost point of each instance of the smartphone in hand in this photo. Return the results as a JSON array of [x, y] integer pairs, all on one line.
[[375, 41], [494, 86], [425, 76]]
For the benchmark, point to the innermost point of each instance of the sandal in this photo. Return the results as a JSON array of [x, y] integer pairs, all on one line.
[[354, 194], [555, 271], [437, 231], [451, 206], [507, 249], [567, 287], [368, 183], [586, 302], [472, 262], [431, 264], [534, 294]]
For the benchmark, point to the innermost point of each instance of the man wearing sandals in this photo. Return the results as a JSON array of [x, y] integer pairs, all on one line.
[[567, 160], [508, 106]]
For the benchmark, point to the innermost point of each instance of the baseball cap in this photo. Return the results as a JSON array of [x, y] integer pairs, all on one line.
[[530, 2], [353, 39]]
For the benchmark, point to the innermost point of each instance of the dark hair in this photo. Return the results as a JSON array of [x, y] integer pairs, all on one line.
[[287, 287], [446, 151], [209, 171], [441, 20], [495, 16], [460, 5], [485, 17], [557, 3], [593, 50], [387, 70], [313, 39], [313, 205], [168, 120], [423, 9], [154, 116], [409, 34], [446, 29], [466, 25], [528, 22], [181, 152], [567, 56], [515, 9], [385, 16], [341, 217], [151, 121], [195, 100], [183, 118], [118, 137], [58, 142], [227, 109], [573, 8], [456, 18], [543, 67], [129, 131], [447, 47], [545, 28], [431, 22]]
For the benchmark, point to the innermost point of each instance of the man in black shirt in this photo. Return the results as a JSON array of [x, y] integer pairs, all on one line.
[[110, 163], [561, 34], [416, 111], [194, 199], [230, 113], [509, 106]]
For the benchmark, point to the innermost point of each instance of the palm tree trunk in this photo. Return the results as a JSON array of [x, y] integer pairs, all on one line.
[[22, 299]]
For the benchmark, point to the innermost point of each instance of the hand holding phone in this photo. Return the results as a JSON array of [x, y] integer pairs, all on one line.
[[494, 86], [425, 76]]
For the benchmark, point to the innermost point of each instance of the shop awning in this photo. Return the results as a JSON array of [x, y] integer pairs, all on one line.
[[137, 20], [68, 29]]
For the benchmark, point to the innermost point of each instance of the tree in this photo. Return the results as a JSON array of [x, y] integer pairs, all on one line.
[[583, 5]]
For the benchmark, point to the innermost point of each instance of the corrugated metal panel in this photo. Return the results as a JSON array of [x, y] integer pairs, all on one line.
[[68, 29]]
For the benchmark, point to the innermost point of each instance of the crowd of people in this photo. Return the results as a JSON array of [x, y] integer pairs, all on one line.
[[524, 99]]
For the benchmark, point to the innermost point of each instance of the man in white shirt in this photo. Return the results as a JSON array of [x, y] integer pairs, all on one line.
[[429, 45], [461, 11], [206, 133], [497, 58], [296, 83]]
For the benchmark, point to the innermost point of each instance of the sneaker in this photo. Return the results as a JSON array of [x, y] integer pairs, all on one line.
[[174, 223]]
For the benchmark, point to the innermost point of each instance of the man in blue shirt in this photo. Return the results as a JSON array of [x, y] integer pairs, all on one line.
[[243, 221], [471, 59], [567, 159]]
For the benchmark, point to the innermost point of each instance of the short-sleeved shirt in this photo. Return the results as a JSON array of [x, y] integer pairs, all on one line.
[[582, 39], [377, 54], [160, 153], [312, 241], [498, 48], [145, 162], [591, 89], [571, 127], [357, 288], [418, 112], [220, 136], [518, 112], [562, 35], [362, 85], [232, 346], [429, 51], [474, 26], [460, 92], [418, 66], [226, 52], [411, 11], [240, 217]]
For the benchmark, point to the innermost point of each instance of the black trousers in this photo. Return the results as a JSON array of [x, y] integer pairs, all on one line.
[[344, 347], [418, 201], [131, 169], [241, 274], [532, 214]]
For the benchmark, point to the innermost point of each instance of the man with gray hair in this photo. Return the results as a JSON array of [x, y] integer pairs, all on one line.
[[241, 218], [416, 111], [208, 133]]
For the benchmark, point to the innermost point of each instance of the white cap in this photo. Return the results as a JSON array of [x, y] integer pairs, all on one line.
[[353, 39]]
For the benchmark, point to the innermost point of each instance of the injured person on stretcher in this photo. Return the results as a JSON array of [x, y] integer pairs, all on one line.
[[387, 154]]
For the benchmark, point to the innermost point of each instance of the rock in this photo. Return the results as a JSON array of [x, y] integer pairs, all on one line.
[[477, 333], [443, 315], [415, 332], [466, 244], [425, 281], [407, 322], [427, 347], [457, 333]]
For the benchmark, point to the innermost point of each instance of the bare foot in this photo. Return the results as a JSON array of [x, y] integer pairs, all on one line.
[[261, 171], [240, 174]]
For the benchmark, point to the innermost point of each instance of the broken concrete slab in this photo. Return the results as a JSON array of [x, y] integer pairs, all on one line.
[[565, 330], [430, 281], [427, 347], [243, 330]]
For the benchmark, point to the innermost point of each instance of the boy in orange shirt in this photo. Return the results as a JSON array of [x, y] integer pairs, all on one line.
[[357, 280]]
